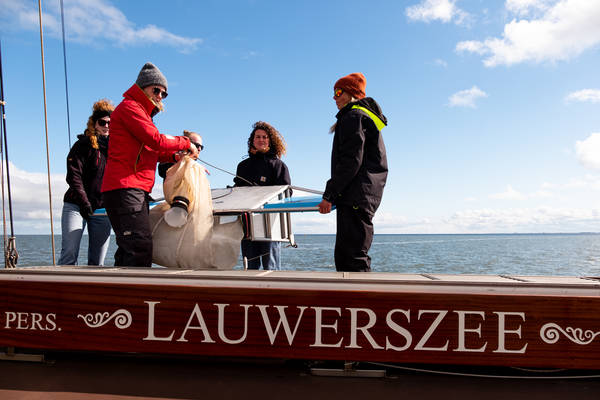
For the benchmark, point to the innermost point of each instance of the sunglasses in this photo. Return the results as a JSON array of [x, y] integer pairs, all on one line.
[[198, 146], [338, 92], [103, 122], [163, 94]]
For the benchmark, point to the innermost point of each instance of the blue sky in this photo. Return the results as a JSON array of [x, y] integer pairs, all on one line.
[[492, 105]]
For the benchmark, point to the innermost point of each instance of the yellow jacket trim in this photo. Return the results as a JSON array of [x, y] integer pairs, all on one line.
[[378, 122]]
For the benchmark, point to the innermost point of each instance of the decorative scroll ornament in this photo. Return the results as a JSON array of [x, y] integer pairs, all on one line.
[[122, 319], [550, 333]]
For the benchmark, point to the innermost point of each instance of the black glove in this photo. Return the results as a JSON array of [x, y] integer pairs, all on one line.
[[86, 212]]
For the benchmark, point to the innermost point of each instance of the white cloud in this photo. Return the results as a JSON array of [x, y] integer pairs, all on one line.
[[466, 98], [589, 183], [81, 24], [588, 151], [565, 29], [591, 95], [311, 223], [431, 10], [525, 7], [385, 220], [441, 63], [471, 46], [508, 194], [30, 200], [539, 219], [548, 190], [487, 220]]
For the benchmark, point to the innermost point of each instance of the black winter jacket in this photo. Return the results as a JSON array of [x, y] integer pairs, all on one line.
[[163, 167], [85, 170], [263, 170], [358, 159]]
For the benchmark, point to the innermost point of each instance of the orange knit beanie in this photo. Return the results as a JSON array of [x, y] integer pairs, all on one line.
[[355, 84]]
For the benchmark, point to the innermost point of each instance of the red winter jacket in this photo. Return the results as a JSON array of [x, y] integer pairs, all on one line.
[[135, 145]]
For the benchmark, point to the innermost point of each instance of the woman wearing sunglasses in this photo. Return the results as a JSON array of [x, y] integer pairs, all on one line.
[[263, 167], [136, 146], [196, 140], [85, 169], [358, 172]]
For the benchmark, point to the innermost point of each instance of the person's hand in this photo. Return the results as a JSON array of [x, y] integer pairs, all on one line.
[[193, 151], [86, 212], [179, 155], [324, 207]]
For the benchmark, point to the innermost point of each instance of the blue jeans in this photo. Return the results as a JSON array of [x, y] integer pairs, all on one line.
[[267, 252], [73, 226]]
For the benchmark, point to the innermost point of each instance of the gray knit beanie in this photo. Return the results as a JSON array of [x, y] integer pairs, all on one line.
[[151, 75]]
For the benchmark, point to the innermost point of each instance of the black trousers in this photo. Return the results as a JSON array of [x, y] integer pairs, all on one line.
[[128, 211], [353, 239]]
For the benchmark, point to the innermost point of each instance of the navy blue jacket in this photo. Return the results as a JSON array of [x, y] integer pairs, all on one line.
[[262, 169]]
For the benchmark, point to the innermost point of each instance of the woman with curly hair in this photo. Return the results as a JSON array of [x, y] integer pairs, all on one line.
[[85, 170], [263, 167]]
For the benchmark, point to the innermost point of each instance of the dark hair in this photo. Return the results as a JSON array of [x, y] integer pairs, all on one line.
[[276, 142]]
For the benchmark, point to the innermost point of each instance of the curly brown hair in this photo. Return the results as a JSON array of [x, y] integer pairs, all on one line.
[[276, 142], [103, 106]]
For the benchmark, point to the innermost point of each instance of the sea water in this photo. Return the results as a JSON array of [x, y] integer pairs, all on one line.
[[514, 254]]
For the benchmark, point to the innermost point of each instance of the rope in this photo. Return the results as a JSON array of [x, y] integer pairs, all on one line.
[[430, 371], [62, 18], [223, 195], [11, 256], [227, 172], [46, 126], [262, 255]]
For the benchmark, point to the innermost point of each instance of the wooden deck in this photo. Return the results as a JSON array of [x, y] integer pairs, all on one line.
[[77, 376], [394, 318]]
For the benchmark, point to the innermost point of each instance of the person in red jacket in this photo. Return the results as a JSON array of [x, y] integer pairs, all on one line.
[[135, 148]]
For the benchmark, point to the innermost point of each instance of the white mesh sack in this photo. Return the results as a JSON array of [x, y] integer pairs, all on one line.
[[183, 235]]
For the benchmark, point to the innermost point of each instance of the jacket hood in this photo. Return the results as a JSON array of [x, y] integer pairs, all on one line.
[[84, 139], [367, 103], [102, 140], [268, 154]]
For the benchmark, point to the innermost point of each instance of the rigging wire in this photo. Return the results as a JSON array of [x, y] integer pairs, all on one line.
[[62, 18], [46, 126], [302, 189], [11, 255], [4, 241]]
